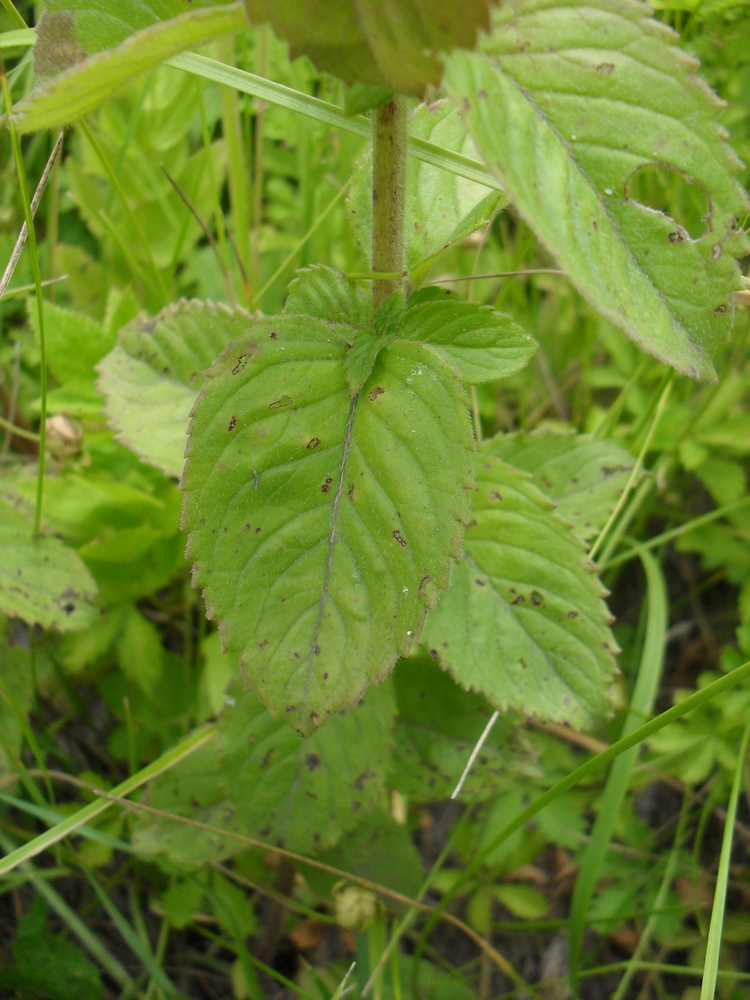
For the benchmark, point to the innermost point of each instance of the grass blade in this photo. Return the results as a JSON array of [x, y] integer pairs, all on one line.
[[586, 769], [641, 706], [90, 942], [713, 947], [37, 272], [322, 111], [661, 896], [136, 945], [83, 816]]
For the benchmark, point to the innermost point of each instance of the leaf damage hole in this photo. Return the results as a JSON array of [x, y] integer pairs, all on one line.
[[374, 393], [313, 443], [662, 188]]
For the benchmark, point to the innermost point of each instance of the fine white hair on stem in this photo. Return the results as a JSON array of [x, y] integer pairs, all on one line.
[[23, 235], [475, 753]]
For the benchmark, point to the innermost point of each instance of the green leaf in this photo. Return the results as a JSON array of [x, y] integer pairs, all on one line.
[[391, 45], [42, 581], [322, 524], [48, 965], [524, 621], [15, 678], [232, 907], [379, 850], [151, 378], [582, 474], [257, 778], [437, 727], [75, 342], [441, 208], [522, 901], [139, 651], [74, 52], [481, 345], [566, 103]]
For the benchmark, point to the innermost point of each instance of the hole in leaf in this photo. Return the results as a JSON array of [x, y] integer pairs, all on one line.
[[675, 194]]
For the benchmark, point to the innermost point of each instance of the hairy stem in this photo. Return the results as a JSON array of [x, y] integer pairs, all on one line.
[[389, 139]]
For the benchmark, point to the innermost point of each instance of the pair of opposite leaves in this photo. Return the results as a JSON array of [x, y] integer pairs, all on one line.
[[331, 473], [391, 44]]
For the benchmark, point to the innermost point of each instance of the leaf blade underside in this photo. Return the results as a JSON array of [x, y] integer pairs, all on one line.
[[566, 102], [79, 69]]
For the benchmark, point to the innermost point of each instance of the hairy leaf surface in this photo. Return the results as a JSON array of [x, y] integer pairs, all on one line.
[[74, 51], [584, 475], [481, 345], [524, 621], [389, 43], [441, 208], [321, 523], [566, 102], [42, 581], [257, 778], [151, 378]]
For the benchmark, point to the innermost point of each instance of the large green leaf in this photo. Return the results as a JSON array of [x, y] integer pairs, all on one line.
[[322, 523], [151, 378], [524, 621], [566, 102], [73, 53], [41, 580], [258, 779], [390, 43], [441, 208], [584, 475]]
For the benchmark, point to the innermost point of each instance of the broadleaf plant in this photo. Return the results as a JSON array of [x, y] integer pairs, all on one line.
[[566, 103], [323, 508], [331, 470]]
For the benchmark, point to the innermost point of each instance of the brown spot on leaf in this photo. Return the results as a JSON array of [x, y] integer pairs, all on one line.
[[313, 443], [313, 761], [400, 539], [232, 424], [326, 487], [374, 393], [282, 403], [605, 69]]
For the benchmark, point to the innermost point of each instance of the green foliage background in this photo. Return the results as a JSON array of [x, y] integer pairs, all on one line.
[[139, 904]]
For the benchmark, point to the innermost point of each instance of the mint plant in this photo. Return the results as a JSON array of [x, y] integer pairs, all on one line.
[[332, 469]]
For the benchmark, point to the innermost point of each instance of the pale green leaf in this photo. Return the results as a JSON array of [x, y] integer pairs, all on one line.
[[522, 901], [524, 621], [75, 342], [322, 525], [566, 102], [75, 45], [151, 378], [42, 581], [441, 208], [389, 43], [139, 650], [481, 345], [584, 475], [259, 779]]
